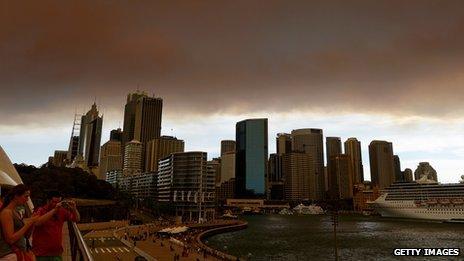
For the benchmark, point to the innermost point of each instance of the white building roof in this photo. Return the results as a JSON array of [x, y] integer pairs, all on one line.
[[8, 170]]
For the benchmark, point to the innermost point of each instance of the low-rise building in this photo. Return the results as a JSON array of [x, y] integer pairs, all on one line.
[[364, 193]]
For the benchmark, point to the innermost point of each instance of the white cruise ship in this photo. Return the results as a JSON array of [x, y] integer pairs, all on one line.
[[422, 199]]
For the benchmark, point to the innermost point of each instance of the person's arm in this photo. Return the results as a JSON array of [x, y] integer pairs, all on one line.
[[43, 217], [7, 223], [75, 216]]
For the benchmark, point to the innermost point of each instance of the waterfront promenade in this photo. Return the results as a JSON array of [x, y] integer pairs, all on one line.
[[184, 246]]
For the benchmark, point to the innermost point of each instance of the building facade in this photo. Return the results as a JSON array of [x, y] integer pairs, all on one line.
[[90, 137], [142, 119], [215, 165], [381, 163], [283, 143], [59, 158], [224, 191], [73, 148], [333, 147], [310, 141], [116, 135], [227, 146], [114, 177], [275, 185], [185, 182], [364, 193], [143, 185], [299, 181], [159, 148], [407, 175], [251, 157], [227, 166], [353, 149], [132, 158], [342, 186], [397, 167], [110, 158]]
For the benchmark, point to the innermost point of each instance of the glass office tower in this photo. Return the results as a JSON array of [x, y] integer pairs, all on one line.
[[251, 158]]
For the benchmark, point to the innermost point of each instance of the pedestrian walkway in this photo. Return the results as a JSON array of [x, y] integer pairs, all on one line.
[[168, 250], [104, 246], [101, 250]]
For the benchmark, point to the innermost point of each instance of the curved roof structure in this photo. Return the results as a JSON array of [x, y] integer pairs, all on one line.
[[7, 168], [9, 175]]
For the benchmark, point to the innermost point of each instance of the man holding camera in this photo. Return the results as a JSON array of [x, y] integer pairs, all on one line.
[[47, 235]]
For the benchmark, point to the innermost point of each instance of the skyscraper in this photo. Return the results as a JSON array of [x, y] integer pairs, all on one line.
[[142, 119], [275, 184], [90, 137], [275, 168], [311, 141], [251, 157], [342, 186], [227, 166], [110, 158], [353, 149], [227, 146], [132, 158], [397, 166], [333, 147], [299, 175], [382, 165], [159, 148], [214, 165], [116, 134], [283, 143], [407, 175]]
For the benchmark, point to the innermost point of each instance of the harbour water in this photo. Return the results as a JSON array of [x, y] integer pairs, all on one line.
[[279, 237]]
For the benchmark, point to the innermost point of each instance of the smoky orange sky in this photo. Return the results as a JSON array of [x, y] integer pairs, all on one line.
[[398, 57]]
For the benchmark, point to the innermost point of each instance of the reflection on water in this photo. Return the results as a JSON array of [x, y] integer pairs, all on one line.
[[278, 237]]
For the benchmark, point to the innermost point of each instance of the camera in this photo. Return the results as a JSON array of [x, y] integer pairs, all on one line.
[[66, 204]]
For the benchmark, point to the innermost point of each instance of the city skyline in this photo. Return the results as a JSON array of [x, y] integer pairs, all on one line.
[[378, 71], [212, 146]]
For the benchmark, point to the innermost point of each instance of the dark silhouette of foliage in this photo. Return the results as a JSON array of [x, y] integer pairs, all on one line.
[[73, 182]]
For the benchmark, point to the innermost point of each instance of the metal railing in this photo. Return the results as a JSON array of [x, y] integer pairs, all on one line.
[[79, 249]]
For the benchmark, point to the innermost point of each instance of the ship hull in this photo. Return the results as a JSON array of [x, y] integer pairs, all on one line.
[[408, 209]]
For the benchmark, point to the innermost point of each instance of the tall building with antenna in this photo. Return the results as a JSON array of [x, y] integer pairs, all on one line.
[[90, 137]]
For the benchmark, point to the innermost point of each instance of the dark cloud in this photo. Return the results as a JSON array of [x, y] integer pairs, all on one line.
[[400, 57]]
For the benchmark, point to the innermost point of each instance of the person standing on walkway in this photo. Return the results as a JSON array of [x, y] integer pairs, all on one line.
[[15, 229], [47, 236]]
